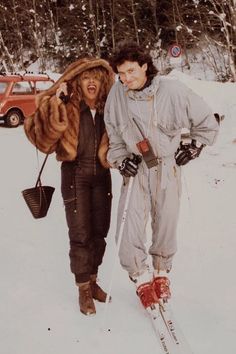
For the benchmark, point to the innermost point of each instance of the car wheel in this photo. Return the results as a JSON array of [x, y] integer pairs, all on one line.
[[13, 118]]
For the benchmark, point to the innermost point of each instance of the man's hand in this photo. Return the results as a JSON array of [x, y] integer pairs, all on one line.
[[129, 167], [187, 152]]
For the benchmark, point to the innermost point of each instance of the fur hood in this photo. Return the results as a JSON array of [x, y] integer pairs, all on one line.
[[54, 127]]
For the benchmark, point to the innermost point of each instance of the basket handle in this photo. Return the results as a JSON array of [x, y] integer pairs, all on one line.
[[40, 172]]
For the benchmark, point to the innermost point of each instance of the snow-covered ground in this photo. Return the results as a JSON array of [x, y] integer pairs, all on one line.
[[39, 313]]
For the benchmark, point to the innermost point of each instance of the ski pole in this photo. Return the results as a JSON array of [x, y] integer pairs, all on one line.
[[118, 243]]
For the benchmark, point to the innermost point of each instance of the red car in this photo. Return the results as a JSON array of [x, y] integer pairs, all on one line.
[[17, 96]]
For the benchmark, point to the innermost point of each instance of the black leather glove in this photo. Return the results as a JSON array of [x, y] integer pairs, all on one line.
[[65, 98], [187, 152], [129, 167]]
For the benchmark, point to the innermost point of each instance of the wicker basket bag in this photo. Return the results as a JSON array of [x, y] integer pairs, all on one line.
[[39, 198]]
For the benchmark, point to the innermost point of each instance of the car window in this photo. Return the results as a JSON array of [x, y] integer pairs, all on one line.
[[43, 85], [22, 88], [3, 86]]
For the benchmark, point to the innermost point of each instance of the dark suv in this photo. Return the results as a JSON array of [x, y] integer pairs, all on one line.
[[17, 96]]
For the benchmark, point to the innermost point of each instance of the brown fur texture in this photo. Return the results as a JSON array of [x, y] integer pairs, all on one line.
[[54, 127]]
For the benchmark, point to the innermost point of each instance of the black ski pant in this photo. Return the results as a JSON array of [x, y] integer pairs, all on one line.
[[87, 200]]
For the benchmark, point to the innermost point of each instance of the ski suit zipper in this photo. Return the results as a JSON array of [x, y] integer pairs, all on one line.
[[95, 153]]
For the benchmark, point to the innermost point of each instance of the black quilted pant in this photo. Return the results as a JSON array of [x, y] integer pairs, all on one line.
[[87, 200]]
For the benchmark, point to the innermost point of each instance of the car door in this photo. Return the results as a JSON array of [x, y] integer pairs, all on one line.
[[22, 97]]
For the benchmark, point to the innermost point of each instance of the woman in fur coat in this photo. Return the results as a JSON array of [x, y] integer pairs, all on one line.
[[69, 121]]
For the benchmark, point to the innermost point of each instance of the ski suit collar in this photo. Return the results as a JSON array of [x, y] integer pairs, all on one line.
[[147, 93]]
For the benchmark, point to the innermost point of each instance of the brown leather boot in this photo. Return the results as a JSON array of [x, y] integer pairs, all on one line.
[[97, 292], [86, 303]]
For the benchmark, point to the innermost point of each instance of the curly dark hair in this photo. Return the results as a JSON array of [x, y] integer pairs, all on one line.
[[131, 51]]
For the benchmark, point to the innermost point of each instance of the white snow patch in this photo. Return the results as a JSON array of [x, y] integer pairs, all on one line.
[[39, 306]]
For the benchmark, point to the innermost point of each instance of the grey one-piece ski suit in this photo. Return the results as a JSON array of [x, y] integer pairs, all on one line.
[[161, 110]]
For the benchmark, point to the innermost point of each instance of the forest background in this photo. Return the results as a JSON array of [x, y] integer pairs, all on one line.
[[56, 32]]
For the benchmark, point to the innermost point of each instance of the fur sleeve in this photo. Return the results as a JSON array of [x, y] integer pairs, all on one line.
[[46, 126], [102, 151]]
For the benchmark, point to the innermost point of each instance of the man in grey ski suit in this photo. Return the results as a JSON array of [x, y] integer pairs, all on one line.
[[144, 115]]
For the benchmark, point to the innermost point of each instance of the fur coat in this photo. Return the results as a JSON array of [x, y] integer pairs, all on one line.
[[54, 127]]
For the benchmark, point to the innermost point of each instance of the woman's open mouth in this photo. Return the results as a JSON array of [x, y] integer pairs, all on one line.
[[92, 89]]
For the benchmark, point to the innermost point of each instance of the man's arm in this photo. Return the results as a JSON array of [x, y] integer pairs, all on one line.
[[203, 124], [117, 151]]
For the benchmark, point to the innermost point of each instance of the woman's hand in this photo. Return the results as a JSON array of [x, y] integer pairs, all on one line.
[[62, 93]]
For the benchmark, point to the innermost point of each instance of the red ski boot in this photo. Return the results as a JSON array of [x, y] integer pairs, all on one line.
[[147, 295], [161, 286]]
